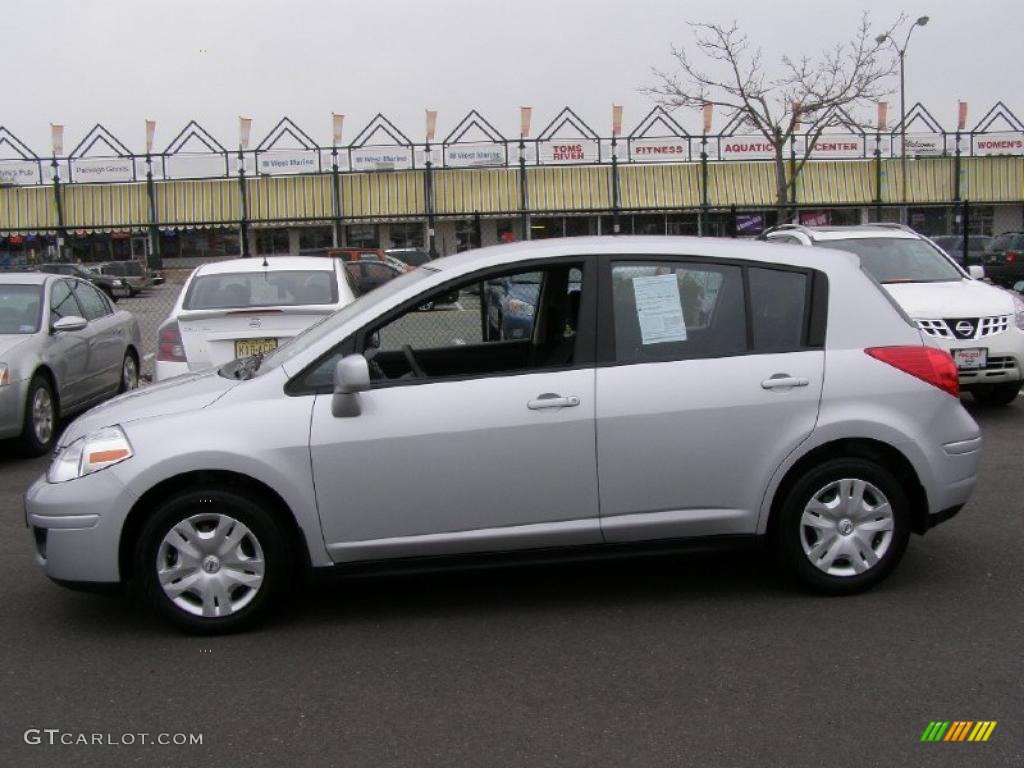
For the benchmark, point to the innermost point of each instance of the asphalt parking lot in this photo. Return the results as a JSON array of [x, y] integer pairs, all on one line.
[[697, 659]]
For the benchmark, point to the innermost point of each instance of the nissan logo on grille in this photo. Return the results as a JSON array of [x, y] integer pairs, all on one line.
[[964, 328]]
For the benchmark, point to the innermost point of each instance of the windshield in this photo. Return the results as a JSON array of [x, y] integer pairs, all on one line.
[[19, 308], [281, 288], [899, 260], [331, 323]]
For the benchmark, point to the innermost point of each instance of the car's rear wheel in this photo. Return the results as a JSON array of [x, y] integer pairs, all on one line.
[[212, 560], [39, 427], [129, 373], [844, 526], [996, 395]]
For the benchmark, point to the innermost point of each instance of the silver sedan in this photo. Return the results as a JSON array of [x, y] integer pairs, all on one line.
[[63, 348]]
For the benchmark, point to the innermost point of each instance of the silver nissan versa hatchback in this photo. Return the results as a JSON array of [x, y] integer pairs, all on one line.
[[656, 389]]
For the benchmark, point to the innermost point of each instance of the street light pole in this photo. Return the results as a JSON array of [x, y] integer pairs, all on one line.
[[920, 22]]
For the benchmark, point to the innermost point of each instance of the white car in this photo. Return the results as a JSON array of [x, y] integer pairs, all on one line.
[[980, 325], [244, 307]]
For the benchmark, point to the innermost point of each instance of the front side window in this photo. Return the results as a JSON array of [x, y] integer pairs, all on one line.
[[19, 308], [282, 288], [63, 302], [675, 310], [898, 260], [520, 321]]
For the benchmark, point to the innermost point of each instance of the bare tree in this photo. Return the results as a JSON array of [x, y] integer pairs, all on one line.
[[814, 93]]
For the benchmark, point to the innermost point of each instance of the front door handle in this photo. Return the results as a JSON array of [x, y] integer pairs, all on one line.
[[551, 400], [784, 381]]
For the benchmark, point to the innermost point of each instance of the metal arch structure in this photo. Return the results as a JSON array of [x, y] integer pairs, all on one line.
[[13, 166]]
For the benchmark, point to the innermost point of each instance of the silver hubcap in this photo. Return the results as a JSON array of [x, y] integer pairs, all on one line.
[[129, 374], [210, 565], [42, 415], [846, 528]]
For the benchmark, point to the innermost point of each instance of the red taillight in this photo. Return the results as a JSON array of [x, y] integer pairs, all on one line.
[[170, 349], [1011, 256], [926, 363]]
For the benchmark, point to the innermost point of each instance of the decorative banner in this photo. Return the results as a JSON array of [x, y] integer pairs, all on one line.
[[925, 144], [244, 127], [150, 134], [616, 120], [883, 116], [472, 155], [20, 172], [999, 144], [381, 159], [962, 116], [86, 170], [525, 113], [747, 148], [670, 150], [709, 110], [838, 146], [556, 151], [194, 166], [336, 124], [57, 138], [277, 162], [431, 124]]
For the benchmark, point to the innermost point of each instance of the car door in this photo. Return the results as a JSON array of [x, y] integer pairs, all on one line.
[[712, 374], [489, 447], [106, 337], [67, 352]]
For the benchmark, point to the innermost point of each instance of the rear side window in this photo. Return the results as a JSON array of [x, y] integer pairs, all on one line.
[[778, 308], [673, 310], [92, 303], [281, 288]]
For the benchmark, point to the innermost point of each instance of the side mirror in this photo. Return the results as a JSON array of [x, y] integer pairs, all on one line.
[[69, 324], [976, 271], [351, 376], [1019, 286]]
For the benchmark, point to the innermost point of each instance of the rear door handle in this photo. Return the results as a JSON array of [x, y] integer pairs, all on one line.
[[784, 381], [551, 400]]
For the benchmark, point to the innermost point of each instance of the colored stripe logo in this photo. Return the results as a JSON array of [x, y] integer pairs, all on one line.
[[958, 730]]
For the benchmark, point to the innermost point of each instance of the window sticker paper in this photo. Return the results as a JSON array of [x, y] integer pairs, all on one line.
[[659, 309]]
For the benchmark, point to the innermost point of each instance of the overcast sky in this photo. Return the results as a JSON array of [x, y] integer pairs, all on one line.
[[118, 62]]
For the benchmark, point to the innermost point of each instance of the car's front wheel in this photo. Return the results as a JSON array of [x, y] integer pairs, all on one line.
[[996, 395], [212, 560], [844, 526], [129, 373], [39, 427]]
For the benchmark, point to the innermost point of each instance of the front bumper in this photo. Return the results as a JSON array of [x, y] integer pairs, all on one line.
[[77, 526], [12, 408], [1005, 358]]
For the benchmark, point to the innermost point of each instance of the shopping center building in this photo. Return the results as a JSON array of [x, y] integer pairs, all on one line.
[[476, 187]]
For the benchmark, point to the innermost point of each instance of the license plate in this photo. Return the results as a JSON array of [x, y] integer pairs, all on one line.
[[250, 347], [970, 359]]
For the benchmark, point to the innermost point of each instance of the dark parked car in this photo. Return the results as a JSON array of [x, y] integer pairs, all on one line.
[[113, 286], [364, 276], [954, 246], [1004, 259], [133, 272], [414, 257]]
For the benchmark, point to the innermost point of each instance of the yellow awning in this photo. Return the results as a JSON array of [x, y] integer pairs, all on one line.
[[382, 195], [992, 179], [27, 208], [471, 190], [835, 182], [181, 203], [741, 184], [659, 186], [569, 188], [287, 198], [101, 207]]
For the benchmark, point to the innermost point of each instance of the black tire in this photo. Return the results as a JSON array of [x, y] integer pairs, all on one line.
[[996, 395], [791, 534], [34, 441], [201, 505], [129, 358]]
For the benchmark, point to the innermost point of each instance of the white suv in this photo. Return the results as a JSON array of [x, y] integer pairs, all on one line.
[[980, 325]]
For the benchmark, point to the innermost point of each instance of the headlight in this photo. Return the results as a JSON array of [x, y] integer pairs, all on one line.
[[517, 307], [97, 450], [5, 375], [1018, 311], [118, 283]]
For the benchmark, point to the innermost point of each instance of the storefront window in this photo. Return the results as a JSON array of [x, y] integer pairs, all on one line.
[[580, 226], [271, 241], [407, 235], [542, 227], [508, 230], [316, 237], [362, 236]]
